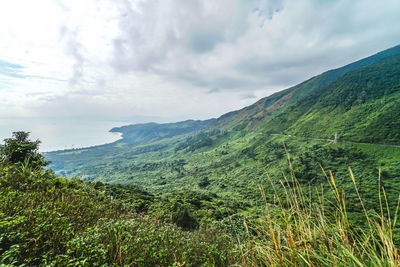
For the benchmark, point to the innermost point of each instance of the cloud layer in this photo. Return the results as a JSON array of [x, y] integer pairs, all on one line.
[[175, 59]]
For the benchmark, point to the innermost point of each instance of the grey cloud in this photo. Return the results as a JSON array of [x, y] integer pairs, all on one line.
[[157, 31], [226, 82], [83, 106], [201, 42], [249, 95], [282, 73], [213, 90], [73, 48], [208, 43], [221, 82]]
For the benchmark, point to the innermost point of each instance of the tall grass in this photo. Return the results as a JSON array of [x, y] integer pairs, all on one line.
[[297, 232], [48, 220]]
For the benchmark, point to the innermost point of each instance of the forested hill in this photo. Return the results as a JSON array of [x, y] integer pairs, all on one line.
[[360, 102], [250, 117], [47, 220], [274, 165], [361, 106], [150, 132]]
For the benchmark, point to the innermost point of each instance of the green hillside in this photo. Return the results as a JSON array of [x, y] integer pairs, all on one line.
[[265, 185], [46, 220], [228, 162], [360, 106], [231, 155], [137, 134], [251, 116]]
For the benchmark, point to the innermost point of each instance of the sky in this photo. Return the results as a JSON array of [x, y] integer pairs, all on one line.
[[170, 60]]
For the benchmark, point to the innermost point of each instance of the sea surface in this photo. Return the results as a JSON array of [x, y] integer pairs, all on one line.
[[62, 134]]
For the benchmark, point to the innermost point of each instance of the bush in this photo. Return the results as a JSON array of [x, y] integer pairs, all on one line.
[[20, 149]]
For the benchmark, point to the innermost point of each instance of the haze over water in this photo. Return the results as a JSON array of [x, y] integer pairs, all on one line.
[[62, 134]]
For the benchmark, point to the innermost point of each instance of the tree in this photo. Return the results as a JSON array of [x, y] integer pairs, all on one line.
[[182, 216], [204, 182], [20, 148]]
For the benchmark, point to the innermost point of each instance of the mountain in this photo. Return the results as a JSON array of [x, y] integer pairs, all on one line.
[[250, 117], [235, 154], [136, 139], [361, 106], [150, 132]]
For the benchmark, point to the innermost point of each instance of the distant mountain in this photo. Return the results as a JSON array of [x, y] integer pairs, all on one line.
[[150, 132]]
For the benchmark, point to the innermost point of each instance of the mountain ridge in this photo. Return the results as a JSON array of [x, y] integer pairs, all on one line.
[[232, 154], [361, 106], [294, 93], [136, 134]]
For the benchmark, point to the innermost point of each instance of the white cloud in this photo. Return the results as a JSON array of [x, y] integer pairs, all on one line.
[[176, 59]]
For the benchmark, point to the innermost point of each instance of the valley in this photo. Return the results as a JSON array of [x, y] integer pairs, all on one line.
[[308, 175], [232, 156]]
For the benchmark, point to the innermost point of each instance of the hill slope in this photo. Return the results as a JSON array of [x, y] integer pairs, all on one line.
[[137, 134], [362, 106], [47, 220], [234, 154], [251, 116]]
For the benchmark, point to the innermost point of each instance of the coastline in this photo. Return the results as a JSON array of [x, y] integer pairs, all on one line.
[[68, 134]]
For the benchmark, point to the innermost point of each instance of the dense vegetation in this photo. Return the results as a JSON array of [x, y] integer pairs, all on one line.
[[360, 106], [150, 132], [53, 221], [230, 156], [231, 166], [50, 220], [265, 185]]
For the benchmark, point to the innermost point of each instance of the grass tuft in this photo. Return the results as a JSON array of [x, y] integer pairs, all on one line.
[[305, 233]]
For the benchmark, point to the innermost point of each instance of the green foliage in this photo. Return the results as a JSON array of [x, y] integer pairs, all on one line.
[[196, 142], [359, 106], [49, 220], [20, 149], [150, 132], [145, 241], [320, 233], [206, 173], [204, 182]]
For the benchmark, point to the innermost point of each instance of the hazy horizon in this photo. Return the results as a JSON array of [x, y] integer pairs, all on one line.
[[62, 135]]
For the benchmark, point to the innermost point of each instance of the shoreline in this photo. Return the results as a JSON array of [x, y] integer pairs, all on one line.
[[116, 137]]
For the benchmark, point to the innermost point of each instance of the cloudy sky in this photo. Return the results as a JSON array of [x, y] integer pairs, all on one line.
[[167, 60]]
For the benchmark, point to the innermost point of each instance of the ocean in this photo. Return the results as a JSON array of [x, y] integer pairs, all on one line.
[[57, 134]]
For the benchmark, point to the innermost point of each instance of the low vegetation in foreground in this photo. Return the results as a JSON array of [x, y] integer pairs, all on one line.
[[50, 220]]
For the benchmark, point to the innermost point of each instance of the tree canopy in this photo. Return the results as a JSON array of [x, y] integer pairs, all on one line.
[[19, 148]]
